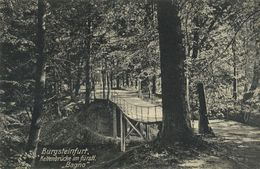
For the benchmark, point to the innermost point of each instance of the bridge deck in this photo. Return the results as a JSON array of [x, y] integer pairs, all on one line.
[[136, 108], [132, 106]]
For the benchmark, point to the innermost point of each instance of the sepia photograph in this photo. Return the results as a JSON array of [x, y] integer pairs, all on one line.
[[129, 84]]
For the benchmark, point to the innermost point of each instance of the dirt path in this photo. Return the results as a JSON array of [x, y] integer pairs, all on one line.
[[244, 141], [242, 144]]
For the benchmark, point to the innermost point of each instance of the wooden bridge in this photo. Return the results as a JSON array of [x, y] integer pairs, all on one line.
[[134, 112]]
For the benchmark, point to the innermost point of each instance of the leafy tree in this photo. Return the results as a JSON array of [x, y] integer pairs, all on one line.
[[40, 77]]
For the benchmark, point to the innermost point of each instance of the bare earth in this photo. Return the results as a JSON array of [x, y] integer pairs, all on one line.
[[242, 145]]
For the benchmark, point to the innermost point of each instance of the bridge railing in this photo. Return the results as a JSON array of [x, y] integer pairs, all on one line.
[[137, 112], [142, 113]]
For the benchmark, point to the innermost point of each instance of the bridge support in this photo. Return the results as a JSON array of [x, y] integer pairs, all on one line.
[[147, 132], [122, 130], [114, 121], [124, 133], [133, 119]]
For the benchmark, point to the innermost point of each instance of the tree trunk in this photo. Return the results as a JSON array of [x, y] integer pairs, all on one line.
[[131, 81], [154, 84], [111, 80], [87, 67], [104, 83], [93, 86], [140, 88], [188, 96], [40, 77], [127, 79], [108, 85], [150, 87], [256, 77], [123, 79], [57, 94], [254, 84], [136, 83], [78, 78], [71, 83], [176, 123], [195, 47], [234, 71], [148, 19], [203, 121], [117, 82]]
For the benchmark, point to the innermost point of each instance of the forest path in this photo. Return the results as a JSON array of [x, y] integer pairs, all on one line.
[[244, 142], [242, 145]]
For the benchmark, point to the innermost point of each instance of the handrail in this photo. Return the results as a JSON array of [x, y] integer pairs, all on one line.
[[125, 105], [158, 105], [141, 113]]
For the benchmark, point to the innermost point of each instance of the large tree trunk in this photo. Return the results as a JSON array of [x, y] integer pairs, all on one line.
[[87, 66], [40, 77], [176, 123]]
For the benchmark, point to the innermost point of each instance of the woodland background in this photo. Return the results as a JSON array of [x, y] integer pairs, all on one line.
[[121, 39]]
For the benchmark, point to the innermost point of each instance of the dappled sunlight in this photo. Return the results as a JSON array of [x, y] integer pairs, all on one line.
[[206, 162], [234, 132], [124, 77], [242, 141], [192, 163]]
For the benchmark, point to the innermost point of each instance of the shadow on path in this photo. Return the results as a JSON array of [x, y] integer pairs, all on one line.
[[242, 143]]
